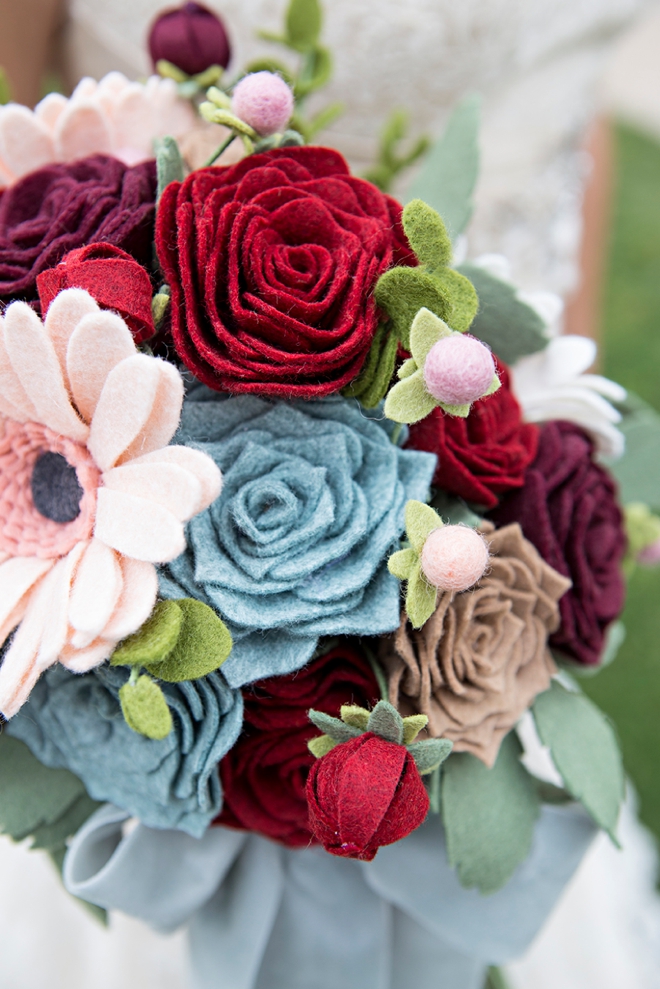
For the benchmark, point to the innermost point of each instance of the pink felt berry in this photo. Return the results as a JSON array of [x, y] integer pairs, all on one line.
[[458, 370], [264, 101], [454, 558]]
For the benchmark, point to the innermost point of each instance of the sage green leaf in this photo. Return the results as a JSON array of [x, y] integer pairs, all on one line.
[[145, 709], [371, 385], [426, 330], [357, 717], [463, 298], [316, 74], [218, 115], [402, 292], [462, 411], [323, 119], [510, 327], [408, 367], [449, 175], [585, 751], [453, 511], [427, 235], [489, 815], [53, 836], [638, 470], [614, 639], [169, 164], [430, 753], [408, 401], [303, 24], [203, 644], [400, 564], [420, 521], [412, 725], [321, 745], [333, 727], [386, 722], [421, 598], [154, 640]]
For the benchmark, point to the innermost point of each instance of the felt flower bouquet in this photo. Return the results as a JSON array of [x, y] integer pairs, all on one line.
[[306, 533]]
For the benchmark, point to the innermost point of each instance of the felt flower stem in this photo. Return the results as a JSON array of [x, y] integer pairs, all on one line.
[[223, 147]]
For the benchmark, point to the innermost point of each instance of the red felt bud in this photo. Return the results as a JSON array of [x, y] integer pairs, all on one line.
[[191, 37], [112, 277], [363, 794]]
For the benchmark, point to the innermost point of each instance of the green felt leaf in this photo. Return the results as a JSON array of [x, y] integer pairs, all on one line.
[[456, 410], [270, 65], [169, 71], [315, 74], [169, 163], [323, 119], [333, 727], [203, 644], [584, 750], [408, 401], [218, 97], [154, 640], [453, 511], [303, 24], [489, 815], [510, 327], [31, 794], [401, 563], [638, 470], [430, 753], [427, 235], [408, 367], [449, 175], [145, 709], [386, 721], [462, 296], [426, 330], [209, 77], [421, 598], [218, 115], [614, 639], [357, 717], [159, 306], [402, 292], [412, 725], [370, 387], [321, 745], [420, 521], [53, 836]]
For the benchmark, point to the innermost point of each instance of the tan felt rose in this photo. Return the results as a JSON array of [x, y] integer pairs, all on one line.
[[482, 657]]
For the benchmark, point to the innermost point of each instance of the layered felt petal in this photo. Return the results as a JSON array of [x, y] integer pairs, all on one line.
[[95, 593], [12, 394], [198, 463], [64, 313], [82, 129], [25, 143], [99, 342], [169, 485], [137, 599], [82, 660], [18, 575], [137, 527]]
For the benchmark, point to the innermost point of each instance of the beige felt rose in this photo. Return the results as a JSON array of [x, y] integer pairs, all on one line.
[[482, 657]]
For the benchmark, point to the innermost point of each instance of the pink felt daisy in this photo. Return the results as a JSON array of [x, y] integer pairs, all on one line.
[[91, 495]]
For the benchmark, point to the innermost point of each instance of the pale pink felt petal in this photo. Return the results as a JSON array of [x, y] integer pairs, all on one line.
[[124, 408], [64, 313], [169, 485], [165, 414], [83, 129], [10, 411], [99, 342], [112, 84], [11, 389], [25, 143], [85, 89], [137, 600], [134, 119], [56, 624], [137, 528], [18, 575], [50, 109], [83, 660], [35, 362], [94, 594], [198, 463]]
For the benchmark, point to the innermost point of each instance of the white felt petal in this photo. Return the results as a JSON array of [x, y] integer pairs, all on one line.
[[138, 528], [11, 389], [124, 408], [568, 356], [99, 342], [25, 143], [169, 485], [165, 414], [33, 357], [83, 660], [610, 389], [198, 463], [56, 625], [95, 593], [137, 600], [18, 575], [83, 129], [64, 313], [50, 109]]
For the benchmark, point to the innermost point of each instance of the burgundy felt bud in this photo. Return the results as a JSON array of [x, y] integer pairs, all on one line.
[[191, 37], [363, 794], [112, 277]]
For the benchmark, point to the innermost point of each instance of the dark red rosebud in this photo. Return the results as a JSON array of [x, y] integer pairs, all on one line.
[[192, 37], [363, 794], [112, 277]]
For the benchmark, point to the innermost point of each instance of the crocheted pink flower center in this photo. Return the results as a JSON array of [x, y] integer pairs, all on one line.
[[24, 530]]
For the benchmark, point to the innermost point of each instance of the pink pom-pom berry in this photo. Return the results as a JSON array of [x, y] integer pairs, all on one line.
[[264, 101], [454, 558], [458, 370]]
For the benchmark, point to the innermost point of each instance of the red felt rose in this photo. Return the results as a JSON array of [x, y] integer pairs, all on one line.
[[112, 277], [568, 510], [264, 775], [484, 455], [272, 264], [363, 794]]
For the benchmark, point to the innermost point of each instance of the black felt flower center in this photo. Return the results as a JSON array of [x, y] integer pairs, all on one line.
[[56, 491]]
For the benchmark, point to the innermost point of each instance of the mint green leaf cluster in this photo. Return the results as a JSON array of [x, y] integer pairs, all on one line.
[[386, 722], [390, 162], [406, 564]]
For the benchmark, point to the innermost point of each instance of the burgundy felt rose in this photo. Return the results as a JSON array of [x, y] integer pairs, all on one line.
[[363, 794], [264, 775], [62, 207], [567, 508], [484, 455], [272, 264], [112, 277], [191, 36]]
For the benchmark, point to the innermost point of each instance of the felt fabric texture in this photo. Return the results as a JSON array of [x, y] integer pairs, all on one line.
[[145, 709], [295, 547], [55, 488], [264, 101], [202, 645], [363, 794], [62, 207], [76, 722], [458, 370], [483, 656], [154, 640], [112, 277], [568, 509], [264, 774], [272, 264], [191, 36], [454, 558], [484, 455]]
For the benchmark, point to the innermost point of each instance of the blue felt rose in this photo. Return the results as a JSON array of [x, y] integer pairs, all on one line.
[[76, 722], [296, 545]]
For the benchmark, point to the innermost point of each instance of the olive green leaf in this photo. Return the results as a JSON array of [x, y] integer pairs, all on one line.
[[145, 709], [408, 401], [402, 292], [218, 115], [401, 563], [203, 644], [412, 725], [304, 19], [421, 597], [374, 379], [356, 716], [154, 640], [421, 520], [321, 745], [427, 235], [427, 329], [462, 296]]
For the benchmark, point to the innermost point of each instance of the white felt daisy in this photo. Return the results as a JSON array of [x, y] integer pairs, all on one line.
[[114, 117], [91, 495]]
